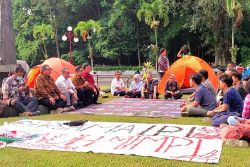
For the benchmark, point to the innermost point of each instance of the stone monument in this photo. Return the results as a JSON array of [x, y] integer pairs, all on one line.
[[7, 39]]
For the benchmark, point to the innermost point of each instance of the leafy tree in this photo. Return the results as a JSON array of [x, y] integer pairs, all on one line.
[[41, 32], [88, 28], [152, 14]]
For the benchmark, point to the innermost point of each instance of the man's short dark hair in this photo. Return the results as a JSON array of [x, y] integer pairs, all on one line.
[[78, 68], [64, 70], [227, 79], [230, 62], [247, 88], [117, 72], [204, 73], [222, 69], [162, 50], [19, 69], [196, 78], [85, 65], [237, 75], [246, 78]]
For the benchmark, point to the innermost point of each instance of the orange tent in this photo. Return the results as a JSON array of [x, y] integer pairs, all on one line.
[[56, 64], [185, 66]]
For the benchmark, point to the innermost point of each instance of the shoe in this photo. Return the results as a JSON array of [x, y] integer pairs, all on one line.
[[57, 111], [97, 103], [126, 96], [24, 114], [36, 113], [184, 114], [223, 125], [237, 143], [71, 108], [207, 120]]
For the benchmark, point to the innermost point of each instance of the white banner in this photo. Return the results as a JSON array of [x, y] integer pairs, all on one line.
[[170, 141]]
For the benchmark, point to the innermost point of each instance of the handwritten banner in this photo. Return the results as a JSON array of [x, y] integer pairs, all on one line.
[[170, 141]]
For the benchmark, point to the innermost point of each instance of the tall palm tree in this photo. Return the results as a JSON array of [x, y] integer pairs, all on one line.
[[152, 14], [235, 9], [41, 32], [88, 29]]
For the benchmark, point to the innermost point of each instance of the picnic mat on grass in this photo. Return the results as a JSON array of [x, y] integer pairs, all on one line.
[[169, 141], [135, 107]]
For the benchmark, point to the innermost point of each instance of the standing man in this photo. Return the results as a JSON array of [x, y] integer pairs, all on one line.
[[203, 99], [117, 85], [88, 77], [67, 88], [48, 93], [163, 62], [18, 94], [150, 86], [84, 92]]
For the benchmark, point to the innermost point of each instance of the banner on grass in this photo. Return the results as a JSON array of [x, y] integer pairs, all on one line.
[[170, 141]]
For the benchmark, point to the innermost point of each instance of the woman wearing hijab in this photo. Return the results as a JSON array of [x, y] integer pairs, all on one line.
[[135, 88], [172, 89]]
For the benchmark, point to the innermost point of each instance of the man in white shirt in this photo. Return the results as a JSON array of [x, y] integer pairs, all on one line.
[[67, 88], [117, 85]]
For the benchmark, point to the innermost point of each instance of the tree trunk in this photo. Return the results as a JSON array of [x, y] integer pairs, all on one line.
[[57, 42], [233, 29], [138, 44], [156, 50], [119, 60]]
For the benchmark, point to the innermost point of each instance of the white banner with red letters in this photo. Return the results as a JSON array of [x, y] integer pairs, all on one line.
[[170, 141]]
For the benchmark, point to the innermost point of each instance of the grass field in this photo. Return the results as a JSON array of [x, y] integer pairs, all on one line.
[[235, 157]]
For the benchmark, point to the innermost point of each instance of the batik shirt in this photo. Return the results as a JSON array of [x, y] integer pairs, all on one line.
[[149, 86], [45, 87], [173, 87], [11, 87], [78, 82], [163, 62]]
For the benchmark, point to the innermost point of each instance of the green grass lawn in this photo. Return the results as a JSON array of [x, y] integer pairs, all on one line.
[[16, 157]]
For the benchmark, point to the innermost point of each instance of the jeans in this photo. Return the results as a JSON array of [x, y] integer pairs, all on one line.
[[120, 92], [30, 104]]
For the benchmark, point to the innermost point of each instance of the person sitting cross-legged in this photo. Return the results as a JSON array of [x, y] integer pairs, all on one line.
[[48, 93], [84, 91], [203, 99], [19, 95], [238, 85], [151, 86], [172, 89], [117, 85], [67, 88], [135, 87], [232, 103]]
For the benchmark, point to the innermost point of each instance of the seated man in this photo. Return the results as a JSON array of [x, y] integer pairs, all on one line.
[[67, 88], [205, 81], [117, 85], [88, 77], [203, 99], [84, 92], [48, 93], [18, 94], [232, 103], [151, 86], [238, 84], [3, 81], [172, 89]]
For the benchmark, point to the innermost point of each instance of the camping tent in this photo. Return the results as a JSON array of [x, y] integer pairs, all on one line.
[[56, 64], [246, 73], [185, 66]]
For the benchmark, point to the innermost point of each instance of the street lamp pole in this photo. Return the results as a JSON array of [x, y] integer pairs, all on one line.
[[69, 34]]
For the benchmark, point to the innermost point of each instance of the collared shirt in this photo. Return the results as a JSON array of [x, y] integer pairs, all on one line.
[[209, 86], [234, 101], [149, 86], [11, 87], [63, 84], [89, 78], [246, 108], [45, 87], [78, 82], [163, 62], [116, 83], [205, 98], [173, 87]]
